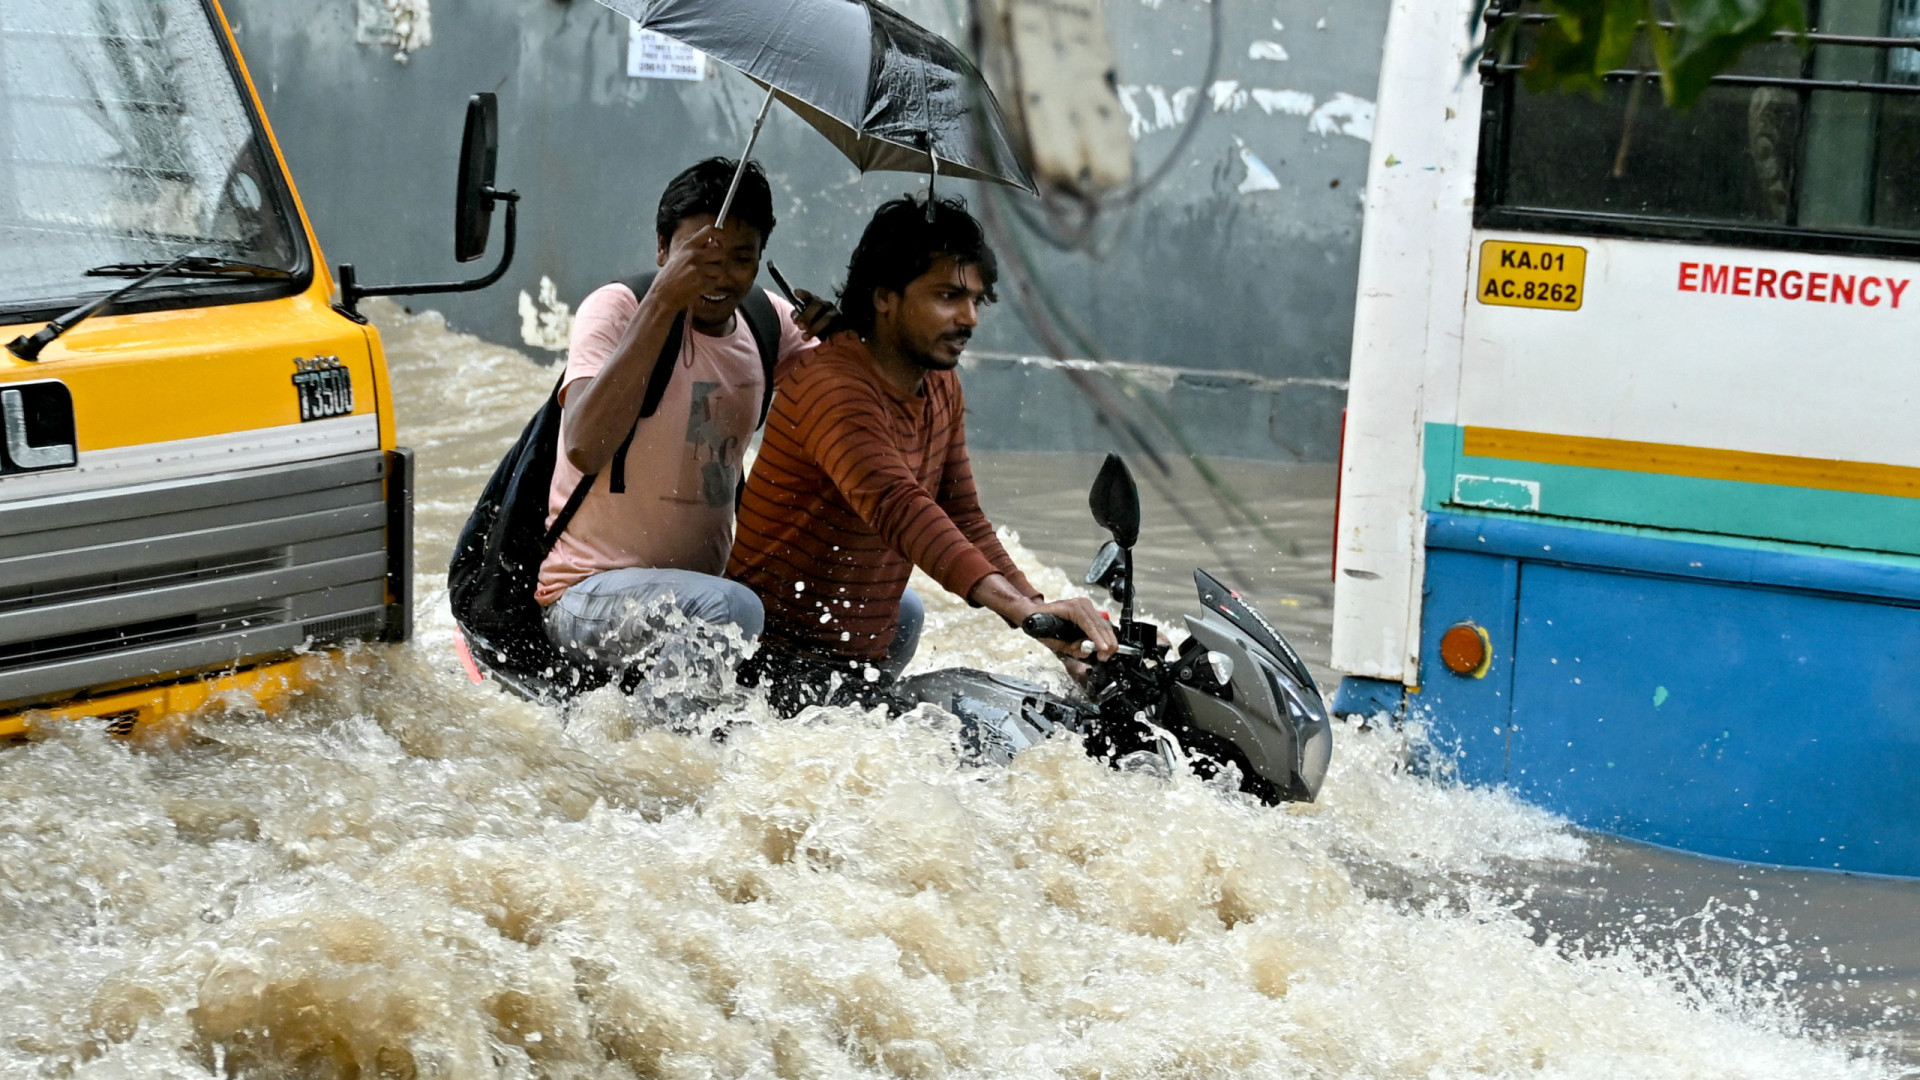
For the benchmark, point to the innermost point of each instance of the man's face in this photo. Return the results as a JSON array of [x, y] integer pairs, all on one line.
[[739, 266], [934, 317]]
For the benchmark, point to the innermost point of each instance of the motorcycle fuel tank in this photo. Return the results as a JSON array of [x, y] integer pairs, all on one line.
[[999, 716]]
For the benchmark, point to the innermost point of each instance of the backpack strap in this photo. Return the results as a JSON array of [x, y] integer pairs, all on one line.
[[669, 349], [552, 535], [663, 366], [574, 500], [763, 322]]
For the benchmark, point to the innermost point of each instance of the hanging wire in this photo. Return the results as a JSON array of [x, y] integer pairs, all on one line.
[[1032, 302], [1057, 315], [1053, 324], [1072, 223]]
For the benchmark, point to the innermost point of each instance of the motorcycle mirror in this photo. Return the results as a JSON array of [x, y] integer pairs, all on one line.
[[479, 153], [1106, 562], [1116, 501]]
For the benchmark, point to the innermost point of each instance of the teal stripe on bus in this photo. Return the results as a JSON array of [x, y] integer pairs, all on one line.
[[1719, 511]]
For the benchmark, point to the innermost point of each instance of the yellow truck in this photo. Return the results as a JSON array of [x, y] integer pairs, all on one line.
[[198, 476]]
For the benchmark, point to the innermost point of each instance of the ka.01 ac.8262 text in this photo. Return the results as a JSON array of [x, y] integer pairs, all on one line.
[[1550, 276]]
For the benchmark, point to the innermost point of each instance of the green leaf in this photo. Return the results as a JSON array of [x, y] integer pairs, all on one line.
[[1710, 35], [1592, 37], [1566, 50], [1619, 29]]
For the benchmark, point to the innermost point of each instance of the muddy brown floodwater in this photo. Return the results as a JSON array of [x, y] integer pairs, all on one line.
[[407, 875]]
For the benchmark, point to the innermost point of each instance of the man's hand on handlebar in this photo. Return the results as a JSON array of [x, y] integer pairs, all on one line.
[[1080, 621], [1089, 635]]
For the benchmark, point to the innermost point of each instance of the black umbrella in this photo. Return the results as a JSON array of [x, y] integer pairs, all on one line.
[[889, 93]]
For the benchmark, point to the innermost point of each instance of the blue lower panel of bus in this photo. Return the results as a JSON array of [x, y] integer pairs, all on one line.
[[1752, 705]]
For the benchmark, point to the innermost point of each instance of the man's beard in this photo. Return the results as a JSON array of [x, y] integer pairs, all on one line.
[[927, 359]]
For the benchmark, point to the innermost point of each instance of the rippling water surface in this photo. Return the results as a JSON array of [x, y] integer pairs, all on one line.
[[407, 875]]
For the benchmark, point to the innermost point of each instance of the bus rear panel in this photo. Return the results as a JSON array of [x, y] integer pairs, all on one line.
[[1633, 430]]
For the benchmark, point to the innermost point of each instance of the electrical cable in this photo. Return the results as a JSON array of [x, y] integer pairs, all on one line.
[[1192, 128], [1047, 318], [1032, 303], [1054, 229], [1231, 502]]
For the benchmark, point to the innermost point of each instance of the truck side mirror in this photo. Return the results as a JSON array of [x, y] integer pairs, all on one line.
[[479, 154], [1115, 501], [472, 215]]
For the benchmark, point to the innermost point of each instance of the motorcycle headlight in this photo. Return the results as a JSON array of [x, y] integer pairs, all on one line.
[[1222, 666]]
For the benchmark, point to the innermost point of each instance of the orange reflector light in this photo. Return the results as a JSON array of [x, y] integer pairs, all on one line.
[[1466, 650]]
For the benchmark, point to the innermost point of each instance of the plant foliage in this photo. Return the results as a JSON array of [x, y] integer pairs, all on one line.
[[1690, 41]]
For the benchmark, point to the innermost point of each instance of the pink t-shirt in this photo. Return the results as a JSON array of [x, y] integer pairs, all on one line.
[[684, 464]]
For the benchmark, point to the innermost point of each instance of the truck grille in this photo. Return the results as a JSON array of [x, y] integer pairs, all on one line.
[[71, 590], [49, 650], [164, 580]]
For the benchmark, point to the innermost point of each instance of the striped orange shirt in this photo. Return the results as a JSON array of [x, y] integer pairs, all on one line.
[[855, 485]]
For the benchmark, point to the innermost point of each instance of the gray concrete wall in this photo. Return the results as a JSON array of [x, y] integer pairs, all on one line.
[[1242, 261]]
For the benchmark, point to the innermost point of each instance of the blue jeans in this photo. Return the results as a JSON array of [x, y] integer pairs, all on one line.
[[615, 615], [906, 638], [612, 616]]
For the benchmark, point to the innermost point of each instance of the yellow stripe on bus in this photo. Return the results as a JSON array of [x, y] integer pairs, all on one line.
[[1697, 461]]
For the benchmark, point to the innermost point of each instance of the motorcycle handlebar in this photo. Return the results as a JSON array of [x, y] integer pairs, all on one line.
[[1041, 624]]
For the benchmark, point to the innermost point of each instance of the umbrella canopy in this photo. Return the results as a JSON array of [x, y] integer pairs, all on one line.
[[889, 93]]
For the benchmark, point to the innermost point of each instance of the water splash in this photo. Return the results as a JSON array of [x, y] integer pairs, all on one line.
[[409, 875]]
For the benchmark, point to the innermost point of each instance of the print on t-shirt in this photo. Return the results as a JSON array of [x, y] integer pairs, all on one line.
[[710, 472]]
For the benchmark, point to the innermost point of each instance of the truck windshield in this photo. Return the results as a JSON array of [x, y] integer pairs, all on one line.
[[125, 137]]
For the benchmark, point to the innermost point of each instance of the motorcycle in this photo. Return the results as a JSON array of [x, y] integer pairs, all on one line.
[[1235, 696]]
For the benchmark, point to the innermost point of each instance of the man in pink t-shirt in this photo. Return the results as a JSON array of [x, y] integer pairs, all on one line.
[[659, 537]]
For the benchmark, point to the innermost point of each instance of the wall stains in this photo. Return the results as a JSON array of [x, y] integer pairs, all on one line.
[[1259, 177], [1345, 114], [1197, 274]]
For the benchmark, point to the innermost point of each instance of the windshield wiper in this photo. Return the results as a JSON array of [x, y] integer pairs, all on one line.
[[28, 348], [195, 266]]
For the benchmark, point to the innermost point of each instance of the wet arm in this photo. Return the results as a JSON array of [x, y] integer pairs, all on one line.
[[598, 412], [960, 498]]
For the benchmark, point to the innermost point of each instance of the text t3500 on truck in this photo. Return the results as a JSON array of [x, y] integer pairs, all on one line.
[[198, 476]]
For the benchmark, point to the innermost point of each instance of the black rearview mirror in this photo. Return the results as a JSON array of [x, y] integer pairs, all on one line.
[[1116, 501], [472, 216], [479, 153]]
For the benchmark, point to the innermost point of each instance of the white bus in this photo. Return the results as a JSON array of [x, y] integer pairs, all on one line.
[[1630, 484]]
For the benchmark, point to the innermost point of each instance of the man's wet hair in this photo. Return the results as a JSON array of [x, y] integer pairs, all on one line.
[[902, 242], [702, 189]]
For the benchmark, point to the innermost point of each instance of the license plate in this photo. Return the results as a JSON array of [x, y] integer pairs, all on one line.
[[325, 387], [38, 420], [1551, 276]]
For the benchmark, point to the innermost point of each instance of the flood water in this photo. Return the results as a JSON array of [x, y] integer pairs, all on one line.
[[405, 874]]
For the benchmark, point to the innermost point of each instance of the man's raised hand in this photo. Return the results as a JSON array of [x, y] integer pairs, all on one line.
[[692, 267]]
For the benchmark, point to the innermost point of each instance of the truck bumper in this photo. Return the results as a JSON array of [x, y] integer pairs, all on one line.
[[127, 594]]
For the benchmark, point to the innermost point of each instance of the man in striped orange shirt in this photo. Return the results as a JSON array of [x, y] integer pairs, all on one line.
[[863, 473]]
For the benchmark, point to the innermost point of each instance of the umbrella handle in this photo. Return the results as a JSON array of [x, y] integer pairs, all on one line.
[[741, 169], [933, 170]]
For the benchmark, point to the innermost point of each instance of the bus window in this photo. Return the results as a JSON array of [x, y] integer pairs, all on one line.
[[124, 138], [1897, 174], [1775, 152]]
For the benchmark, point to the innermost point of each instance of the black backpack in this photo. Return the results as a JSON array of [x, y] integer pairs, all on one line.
[[496, 561]]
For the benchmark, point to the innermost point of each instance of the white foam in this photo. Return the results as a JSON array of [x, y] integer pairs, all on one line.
[[407, 874]]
